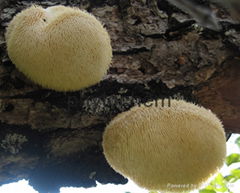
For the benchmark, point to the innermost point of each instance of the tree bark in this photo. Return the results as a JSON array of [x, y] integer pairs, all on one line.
[[54, 138]]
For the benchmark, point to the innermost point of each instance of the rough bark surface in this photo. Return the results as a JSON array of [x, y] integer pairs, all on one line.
[[54, 139]]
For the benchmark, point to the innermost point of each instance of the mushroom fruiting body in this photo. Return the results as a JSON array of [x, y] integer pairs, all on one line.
[[60, 48], [167, 148]]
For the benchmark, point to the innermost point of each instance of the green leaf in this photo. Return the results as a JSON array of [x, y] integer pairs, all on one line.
[[207, 191], [219, 184], [234, 176], [236, 173], [232, 158], [238, 141], [219, 179], [230, 178], [210, 187]]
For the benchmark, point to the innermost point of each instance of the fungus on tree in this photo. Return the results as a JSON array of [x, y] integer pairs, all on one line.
[[168, 148], [60, 48]]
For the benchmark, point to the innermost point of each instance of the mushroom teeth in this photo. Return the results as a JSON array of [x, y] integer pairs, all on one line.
[[171, 148], [60, 48]]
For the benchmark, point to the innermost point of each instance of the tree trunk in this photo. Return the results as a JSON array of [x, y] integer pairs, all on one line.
[[54, 138]]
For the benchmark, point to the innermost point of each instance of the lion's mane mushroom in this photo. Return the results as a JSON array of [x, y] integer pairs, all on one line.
[[60, 48], [168, 148]]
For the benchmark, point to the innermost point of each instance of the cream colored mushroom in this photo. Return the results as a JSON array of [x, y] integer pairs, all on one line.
[[60, 48], [167, 148]]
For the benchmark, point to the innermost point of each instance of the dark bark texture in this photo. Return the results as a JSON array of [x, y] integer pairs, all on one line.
[[54, 138]]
